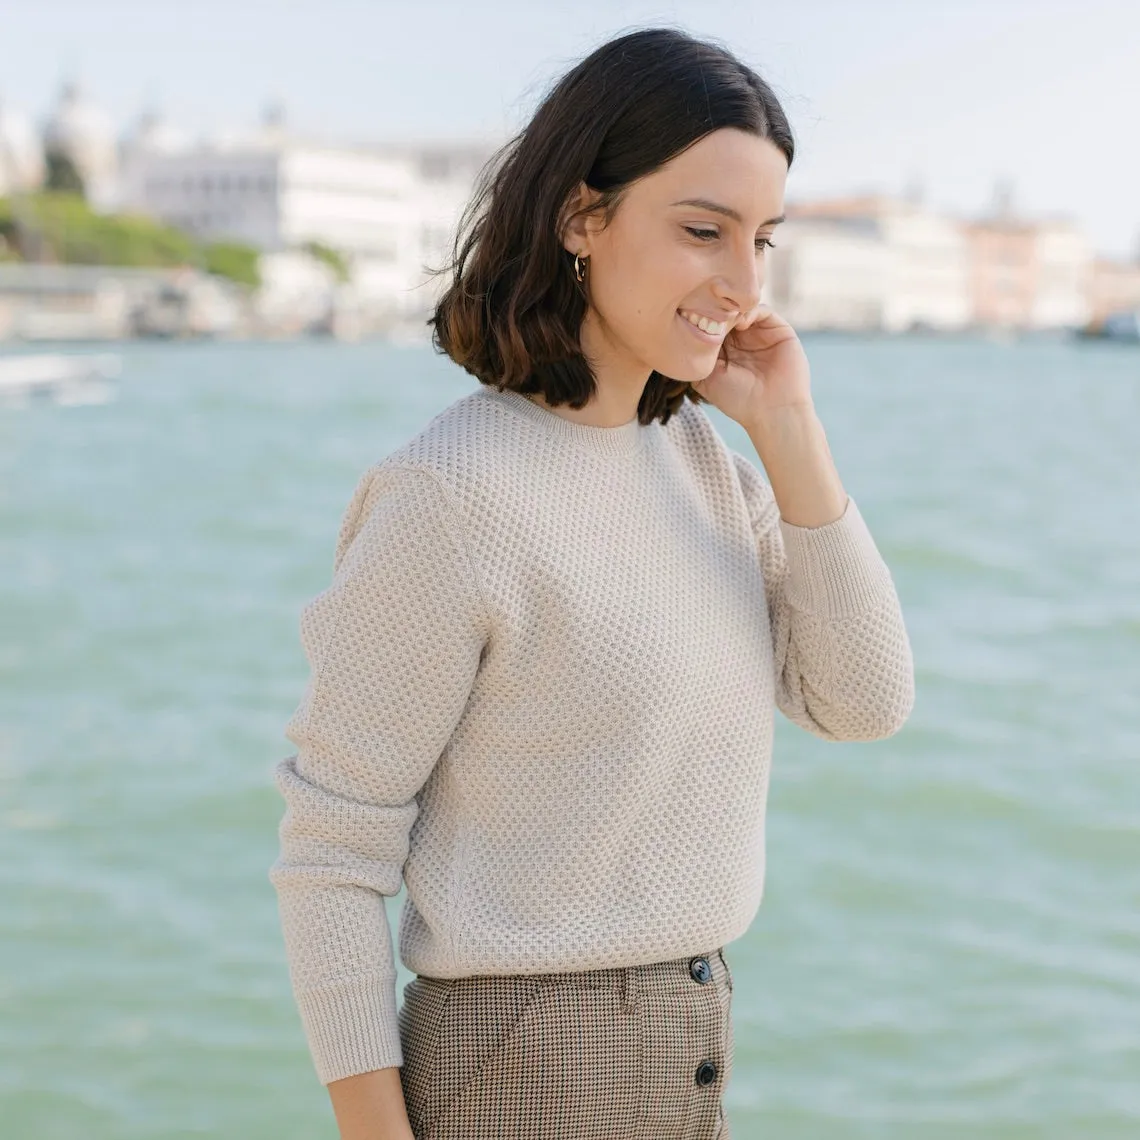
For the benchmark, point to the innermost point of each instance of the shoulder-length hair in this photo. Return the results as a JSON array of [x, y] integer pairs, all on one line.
[[512, 312]]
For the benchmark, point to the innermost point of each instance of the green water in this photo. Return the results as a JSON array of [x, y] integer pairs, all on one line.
[[949, 944]]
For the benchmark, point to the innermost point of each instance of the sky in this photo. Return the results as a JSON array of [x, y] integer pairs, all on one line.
[[947, 97]]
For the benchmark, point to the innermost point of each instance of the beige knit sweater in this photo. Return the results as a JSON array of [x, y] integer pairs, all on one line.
[[542, 692]]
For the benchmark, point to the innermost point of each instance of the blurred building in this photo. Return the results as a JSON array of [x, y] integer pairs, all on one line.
[[444, 175], [881, 263], [77, 129], [1003, 271], [1064, 277], [388, 211], [829, 273], [872, 263], [22, 166], [152, 131], [388, 217], [1114, 288], [1028, 275]]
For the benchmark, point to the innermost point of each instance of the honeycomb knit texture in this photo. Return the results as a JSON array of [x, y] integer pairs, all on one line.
[[542, 692]]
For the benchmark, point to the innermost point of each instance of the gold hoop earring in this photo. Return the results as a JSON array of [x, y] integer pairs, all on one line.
[[580, 268]]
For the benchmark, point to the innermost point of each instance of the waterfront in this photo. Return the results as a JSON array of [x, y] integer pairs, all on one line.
[[949, 943]]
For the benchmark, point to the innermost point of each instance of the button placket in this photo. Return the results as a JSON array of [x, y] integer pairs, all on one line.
[[701, 971], [684, 1050]]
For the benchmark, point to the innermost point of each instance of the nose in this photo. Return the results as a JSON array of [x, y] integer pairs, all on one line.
[[741, 283]]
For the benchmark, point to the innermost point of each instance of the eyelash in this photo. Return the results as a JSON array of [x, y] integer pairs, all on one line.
[[705, 235]]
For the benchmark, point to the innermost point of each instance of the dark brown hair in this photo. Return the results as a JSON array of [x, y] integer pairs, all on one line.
[[512, 312]]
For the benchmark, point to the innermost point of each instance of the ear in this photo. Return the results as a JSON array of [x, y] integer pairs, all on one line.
[[576, 229]]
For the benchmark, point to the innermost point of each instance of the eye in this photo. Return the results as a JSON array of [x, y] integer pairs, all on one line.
[[708, 235]]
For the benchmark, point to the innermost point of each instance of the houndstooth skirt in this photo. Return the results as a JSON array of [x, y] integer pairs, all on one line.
[[627, 1053]]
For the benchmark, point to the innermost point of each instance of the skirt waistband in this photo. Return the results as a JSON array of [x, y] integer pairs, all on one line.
[[703, 968]]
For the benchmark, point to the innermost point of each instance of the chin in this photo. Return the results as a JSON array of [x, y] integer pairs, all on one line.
[[684, 371]]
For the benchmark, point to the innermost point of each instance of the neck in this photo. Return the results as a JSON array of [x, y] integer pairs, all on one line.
[[598, 412], [619, 381]]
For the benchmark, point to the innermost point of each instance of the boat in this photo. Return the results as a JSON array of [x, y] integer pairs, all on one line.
[[59, 377], [1121, 326]]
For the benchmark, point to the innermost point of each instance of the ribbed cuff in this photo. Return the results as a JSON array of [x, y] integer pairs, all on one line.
[[835, 570], [351, 1027]]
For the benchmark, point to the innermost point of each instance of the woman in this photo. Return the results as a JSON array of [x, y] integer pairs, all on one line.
[[562, 615]]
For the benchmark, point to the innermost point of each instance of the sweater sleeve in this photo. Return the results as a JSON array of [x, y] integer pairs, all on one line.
[[393, 646], [843, 663]]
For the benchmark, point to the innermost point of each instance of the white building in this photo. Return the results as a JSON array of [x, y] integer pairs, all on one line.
[[1064, 277], [928, 282], [875, 263], [829, 273], [445, 175], [389, 211]]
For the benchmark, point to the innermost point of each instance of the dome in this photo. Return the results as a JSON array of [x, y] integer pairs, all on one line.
[[80, 130], [155, 134]]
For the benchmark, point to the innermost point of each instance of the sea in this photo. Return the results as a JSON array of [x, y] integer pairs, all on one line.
[[949, 940]]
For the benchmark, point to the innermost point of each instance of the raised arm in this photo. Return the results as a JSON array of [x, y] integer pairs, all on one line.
[[842, 658]]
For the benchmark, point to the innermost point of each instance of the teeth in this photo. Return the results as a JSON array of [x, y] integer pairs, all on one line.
[[704, 324]]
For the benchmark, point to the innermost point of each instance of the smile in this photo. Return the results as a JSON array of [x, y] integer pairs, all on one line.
[[711, 332]]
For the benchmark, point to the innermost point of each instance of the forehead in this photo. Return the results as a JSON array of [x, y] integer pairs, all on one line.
[[730, 166]]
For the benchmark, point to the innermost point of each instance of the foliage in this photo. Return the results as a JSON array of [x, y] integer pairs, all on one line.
[[233, 260], [331, 257], [63, 175], [59, 226]]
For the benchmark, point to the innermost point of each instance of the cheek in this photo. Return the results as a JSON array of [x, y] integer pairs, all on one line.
[[646, 286]]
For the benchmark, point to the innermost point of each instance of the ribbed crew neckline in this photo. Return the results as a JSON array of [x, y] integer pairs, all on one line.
[[621, 440]]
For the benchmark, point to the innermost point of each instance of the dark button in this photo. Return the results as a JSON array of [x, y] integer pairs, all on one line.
[[706, 1073], [700, 970]]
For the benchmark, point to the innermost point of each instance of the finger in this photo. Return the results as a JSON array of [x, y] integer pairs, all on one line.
[[756, 313]]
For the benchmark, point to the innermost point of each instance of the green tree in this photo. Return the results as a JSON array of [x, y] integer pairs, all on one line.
[[331, 257], [238, 262], [62, 174], [65, 229]]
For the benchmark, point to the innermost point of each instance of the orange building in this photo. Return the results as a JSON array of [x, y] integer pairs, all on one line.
[[1002, 256]]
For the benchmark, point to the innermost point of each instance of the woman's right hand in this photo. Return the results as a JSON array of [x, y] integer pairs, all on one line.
[[371, 1106]]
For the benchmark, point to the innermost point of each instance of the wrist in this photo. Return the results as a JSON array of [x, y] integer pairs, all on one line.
[[776, 423]]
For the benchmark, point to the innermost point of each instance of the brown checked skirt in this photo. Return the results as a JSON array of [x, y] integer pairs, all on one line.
[[626, 1053]]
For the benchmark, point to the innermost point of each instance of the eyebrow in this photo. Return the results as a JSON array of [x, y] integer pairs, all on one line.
[[728, 211]]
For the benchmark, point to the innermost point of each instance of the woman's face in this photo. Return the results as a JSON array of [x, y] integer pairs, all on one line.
[[648, 267]]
